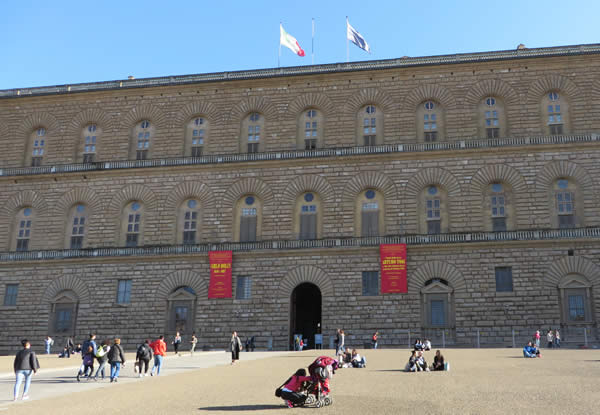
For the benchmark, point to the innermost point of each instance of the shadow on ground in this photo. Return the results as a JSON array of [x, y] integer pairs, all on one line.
[[241, 408]]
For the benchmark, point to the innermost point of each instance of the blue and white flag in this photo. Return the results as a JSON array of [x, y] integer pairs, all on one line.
[[356, 38]]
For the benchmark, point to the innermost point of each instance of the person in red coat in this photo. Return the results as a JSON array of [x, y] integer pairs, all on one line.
[[159, 347]]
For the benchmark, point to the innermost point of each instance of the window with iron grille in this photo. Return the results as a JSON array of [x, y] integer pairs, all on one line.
[[10, 294], [38, 147], [190, 222], [565, 206], [124, 292], [504, 279], [134, 219], [24, 225], [243, 289], [555, 119], [370, 283], [370, 126]]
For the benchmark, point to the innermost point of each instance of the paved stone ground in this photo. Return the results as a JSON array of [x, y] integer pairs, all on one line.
[[482, 381]]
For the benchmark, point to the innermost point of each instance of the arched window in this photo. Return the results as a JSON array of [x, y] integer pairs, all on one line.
[[181, 306], [38, 146], [576, 299], [433, 216], [567, 204], [370, 213], [307, 211], [555, 110], [430, 121], [492, 118], [252, 133], [90, 135], [23, 229], [369, 126], [437, 304], [498, 207], [189, 218], [63, 313], [132, 224], [310, 129], [248, 219], [143, 134], [196, 136], [76, 227]]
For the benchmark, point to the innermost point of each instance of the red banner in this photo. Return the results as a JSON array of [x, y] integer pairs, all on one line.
[[393, 268], [220, 274]]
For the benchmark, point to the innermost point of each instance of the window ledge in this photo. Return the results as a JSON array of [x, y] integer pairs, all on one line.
[[505, 293], [122, 305], [8, 307]]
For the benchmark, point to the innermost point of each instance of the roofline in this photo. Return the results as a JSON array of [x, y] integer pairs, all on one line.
[[405, 62]]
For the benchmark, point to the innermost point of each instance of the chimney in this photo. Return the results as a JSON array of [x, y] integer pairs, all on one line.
[[130, 77], [521, 46]]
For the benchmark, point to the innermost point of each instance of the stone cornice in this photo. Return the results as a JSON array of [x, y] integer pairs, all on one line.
[[461, 145], [405, 62], [284, 245]]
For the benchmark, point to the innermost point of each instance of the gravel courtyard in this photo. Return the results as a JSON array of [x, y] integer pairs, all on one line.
[[481, 381]]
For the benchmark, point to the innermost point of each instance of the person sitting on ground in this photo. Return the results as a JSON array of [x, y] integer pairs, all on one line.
[[418, 345], [64, 353], [412, 366], [357, 360], [438, 361], [290, 391], [78, 348], [427, 345], [421, 363], [531, 351]]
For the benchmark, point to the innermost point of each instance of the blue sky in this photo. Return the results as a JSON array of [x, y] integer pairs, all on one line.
[[66, 42]]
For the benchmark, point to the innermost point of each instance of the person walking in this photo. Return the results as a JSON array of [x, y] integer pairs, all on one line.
[[550, 338], [336, 341], [143, 356], [69, 346], [193, 343], [374, 339], [48, 342], [235, 346], [556, 338], [91, 342], [25, 365], [159, 347], [116, 358], [341, 344], [102, 357], [176, 342]]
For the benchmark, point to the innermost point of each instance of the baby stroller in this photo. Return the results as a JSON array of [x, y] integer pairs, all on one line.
[[318, 392]]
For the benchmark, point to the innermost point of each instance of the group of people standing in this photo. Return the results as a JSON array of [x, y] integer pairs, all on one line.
[[552, 338]]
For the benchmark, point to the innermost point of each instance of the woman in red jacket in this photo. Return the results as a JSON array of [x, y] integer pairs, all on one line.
[[290, 391], [159, 347]]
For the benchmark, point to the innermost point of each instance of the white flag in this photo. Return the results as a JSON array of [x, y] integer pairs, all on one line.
[[356, 38]]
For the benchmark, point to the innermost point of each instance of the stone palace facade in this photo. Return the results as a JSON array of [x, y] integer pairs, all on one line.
[[485, 164]]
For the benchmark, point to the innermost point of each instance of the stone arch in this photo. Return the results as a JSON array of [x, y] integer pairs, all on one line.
[[25, 198], [205, 108], [302, 274], [129, 193], [79, 194], [492, 87], [67, 282], [429, 91], [311, 100], [369, 96], [571, 265], [553, 82], [436, 269], [39, 119], [89, 116], [188, 190], [498, 172], [563, 168], [143, 112], [307, 183], [249, 185], [431, 176], [373, 180], [253, 104], [182, 278]]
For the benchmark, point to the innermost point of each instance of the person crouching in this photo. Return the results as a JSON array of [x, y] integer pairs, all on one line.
[[290, 392]]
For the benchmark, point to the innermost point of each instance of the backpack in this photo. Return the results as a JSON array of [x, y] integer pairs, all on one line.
[[142, 351], [100, 352]]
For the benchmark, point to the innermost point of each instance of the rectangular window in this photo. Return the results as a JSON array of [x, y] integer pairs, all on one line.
[[243, 288], [504, 279], [370, 140], [89, 158], [308, 225], [493, 132], [132, 240], [252, 147], [434, 227], [438, 313], [189, 237], [124, 292], [566, 221], [181, 318], [369, 221], [36, 161], [556, 129], [248, 228], [141, 154], [76, 242], [63, 319], [576, 308], [370, 283], [430, 136], [10, 294], [499, 224], [22, 245], [197, 151]]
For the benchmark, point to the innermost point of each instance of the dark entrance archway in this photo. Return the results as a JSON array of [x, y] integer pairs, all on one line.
[[305, 313]]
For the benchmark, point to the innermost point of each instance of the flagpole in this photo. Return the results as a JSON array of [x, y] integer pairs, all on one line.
[[347, 43], [279, 56], [313, 41]]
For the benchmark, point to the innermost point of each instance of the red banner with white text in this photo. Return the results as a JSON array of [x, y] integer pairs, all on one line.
[[220, 274], [393, 268]]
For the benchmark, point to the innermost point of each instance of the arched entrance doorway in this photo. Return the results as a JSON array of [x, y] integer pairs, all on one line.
[[305, 313]]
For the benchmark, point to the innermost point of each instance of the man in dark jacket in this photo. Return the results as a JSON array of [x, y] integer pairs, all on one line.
[[116, 358], [143, 356], [26, 364]]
